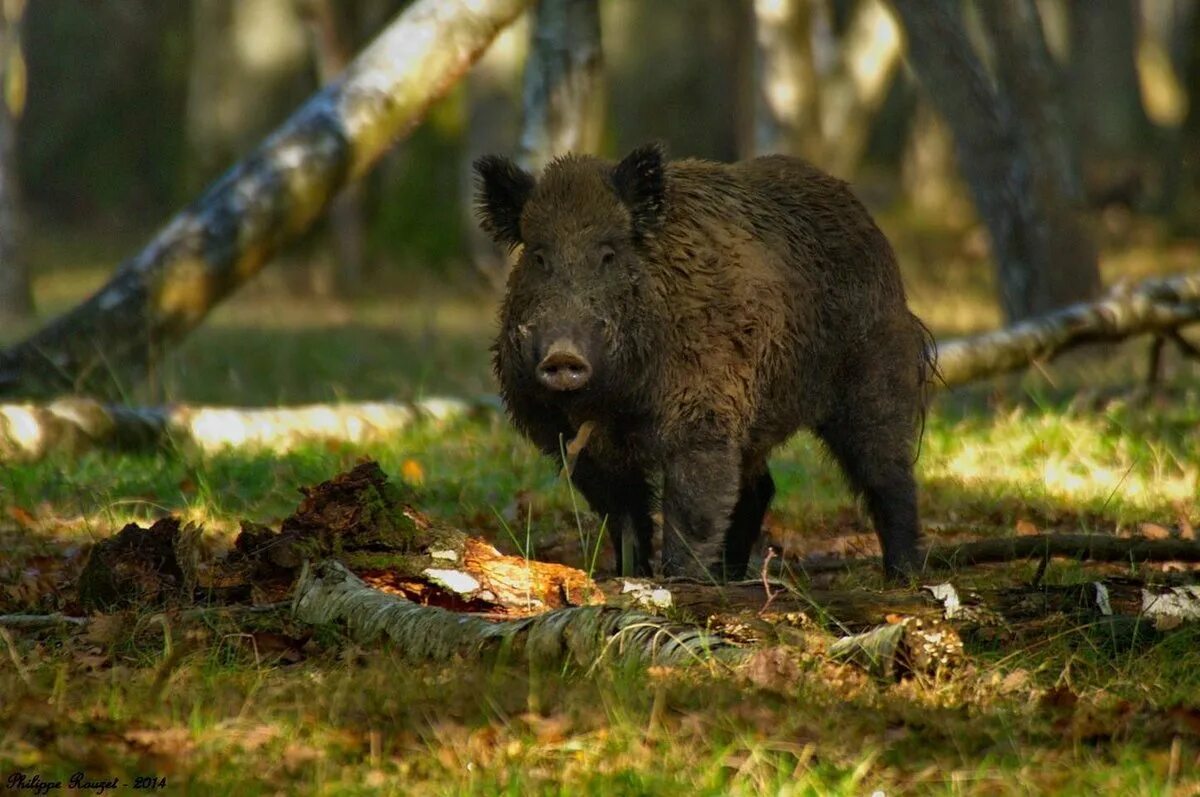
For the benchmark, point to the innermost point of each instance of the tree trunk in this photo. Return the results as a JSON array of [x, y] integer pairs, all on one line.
[[249, 67], [787, 117], [1109, 116], [564, 83], [346, 217], [264, 202], [932, 182], [16, 294], [493, 125], [1029, 78], [994, 156], [856, 83]]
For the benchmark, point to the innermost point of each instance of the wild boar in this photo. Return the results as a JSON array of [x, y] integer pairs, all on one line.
[[699, 313]]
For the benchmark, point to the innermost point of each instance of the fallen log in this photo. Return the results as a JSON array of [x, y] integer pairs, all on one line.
[[583, 635], [73, 425], [1157, 307], [1083, 547], [857, 610]]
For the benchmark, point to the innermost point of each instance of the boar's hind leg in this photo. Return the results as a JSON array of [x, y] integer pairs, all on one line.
[[746, 524], [700, 488], [874, 445], [622, 500]]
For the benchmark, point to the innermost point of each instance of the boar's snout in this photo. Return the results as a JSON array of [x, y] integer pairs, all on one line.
[[564, 367]]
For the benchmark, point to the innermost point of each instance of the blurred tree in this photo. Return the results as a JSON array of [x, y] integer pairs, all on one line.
[[264, 202], [493, 125], [1106, 98], [563, 98], [1190, 132], [1168, 31], [1030, 78], [97, 73], [1030, 230], [16, 295], [346, 220], [856, 69], [250, 66], [679, 71], [787, 112], [927, 170]]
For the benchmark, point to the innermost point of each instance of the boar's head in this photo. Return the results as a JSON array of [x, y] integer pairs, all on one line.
[[576, 325]]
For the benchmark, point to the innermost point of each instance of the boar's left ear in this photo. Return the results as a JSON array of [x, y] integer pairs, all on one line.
[[502, 190], [640, 182]]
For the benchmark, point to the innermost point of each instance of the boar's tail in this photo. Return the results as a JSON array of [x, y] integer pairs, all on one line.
[[927, 374]]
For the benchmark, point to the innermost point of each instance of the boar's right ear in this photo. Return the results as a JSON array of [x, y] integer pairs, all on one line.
[[640, 182], [502, 189]]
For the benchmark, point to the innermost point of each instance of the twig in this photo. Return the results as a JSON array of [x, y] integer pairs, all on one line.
[[771, 554], [1084, 547], [1186, 347], [57, 619], [39, 620], [16, 657]]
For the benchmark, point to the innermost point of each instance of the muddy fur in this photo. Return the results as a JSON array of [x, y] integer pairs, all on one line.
[[721, 307]]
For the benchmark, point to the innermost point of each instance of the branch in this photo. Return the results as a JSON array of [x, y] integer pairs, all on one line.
[[1156, 306], [1084, 547]]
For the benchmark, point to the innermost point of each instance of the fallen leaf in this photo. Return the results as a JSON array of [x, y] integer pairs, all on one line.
[[412, 472], [1153, 531], [105, 629], [23, 517], [774, 669], [1026, 528]]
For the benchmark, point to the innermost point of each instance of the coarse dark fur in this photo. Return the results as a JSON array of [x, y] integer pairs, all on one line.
[[713, 310]]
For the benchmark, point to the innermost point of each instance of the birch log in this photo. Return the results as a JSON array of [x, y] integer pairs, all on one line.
[[268, 199], [582, 635], [1155, 307], [74, 425]]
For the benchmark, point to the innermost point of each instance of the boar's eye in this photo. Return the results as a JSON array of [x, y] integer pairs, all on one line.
[[539, 260], [607, 256]]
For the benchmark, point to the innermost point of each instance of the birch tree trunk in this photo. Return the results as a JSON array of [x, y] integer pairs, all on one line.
[[994, 155], [16, 295], [787, 114], [563, 100], [262, 203]]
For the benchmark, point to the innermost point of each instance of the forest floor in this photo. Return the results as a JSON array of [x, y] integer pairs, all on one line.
[[258, 707]]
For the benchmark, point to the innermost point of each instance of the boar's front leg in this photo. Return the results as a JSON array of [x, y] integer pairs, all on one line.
[[620, 496], [700, 488]]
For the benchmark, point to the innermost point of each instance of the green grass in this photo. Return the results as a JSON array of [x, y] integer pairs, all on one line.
[[228, 717]]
